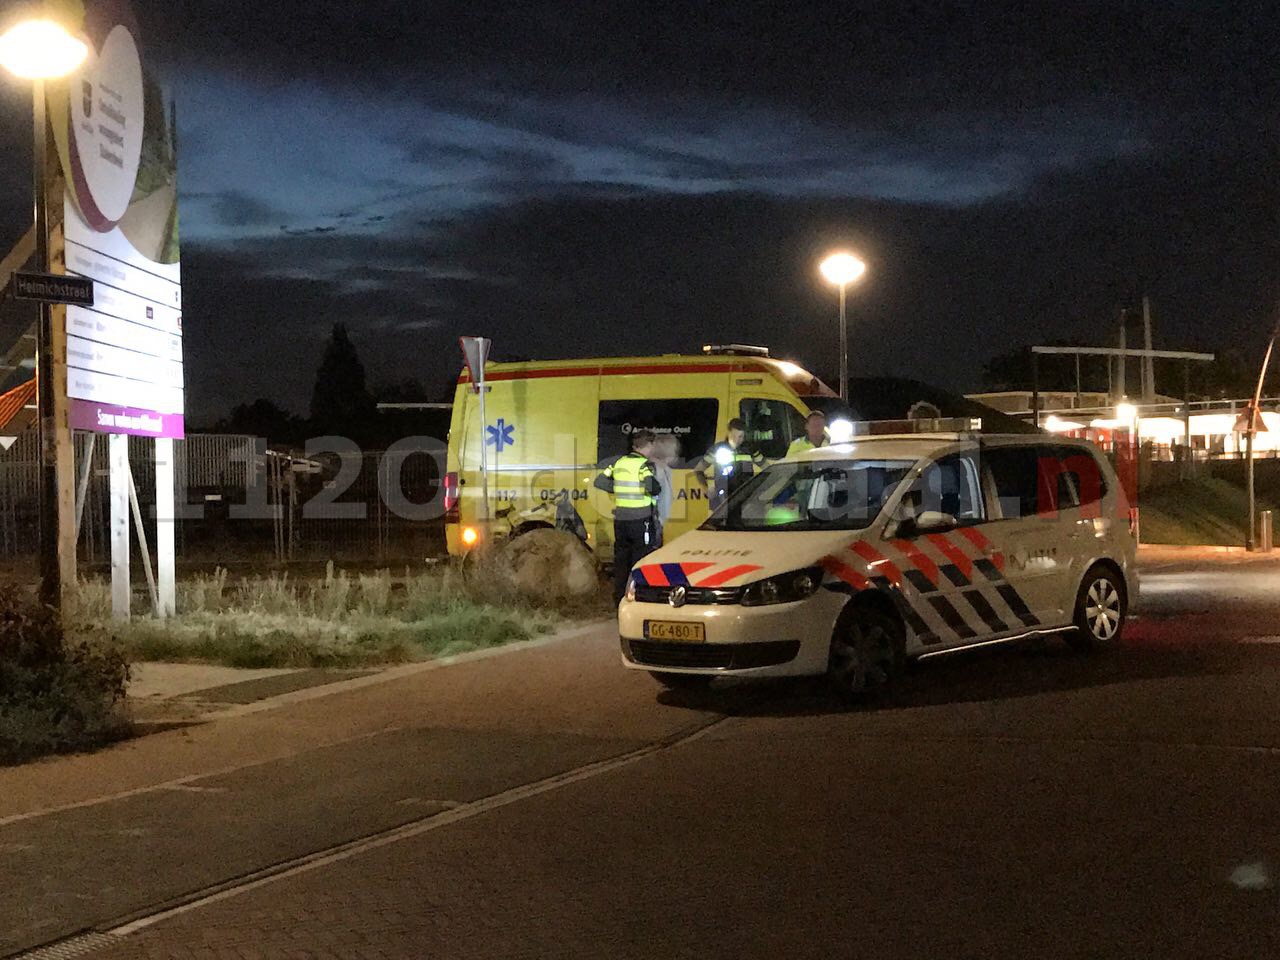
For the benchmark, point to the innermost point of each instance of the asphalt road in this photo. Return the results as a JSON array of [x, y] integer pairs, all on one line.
[[1018, 802]]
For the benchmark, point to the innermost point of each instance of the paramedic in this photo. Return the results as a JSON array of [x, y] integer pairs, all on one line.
[[815, 429]]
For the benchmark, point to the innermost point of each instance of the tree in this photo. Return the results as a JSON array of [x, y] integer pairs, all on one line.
[[407, 390], [1012, 370], [264, 418], [340, 402]]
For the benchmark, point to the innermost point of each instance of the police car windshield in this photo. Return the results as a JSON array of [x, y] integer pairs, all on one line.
[[812, 495]]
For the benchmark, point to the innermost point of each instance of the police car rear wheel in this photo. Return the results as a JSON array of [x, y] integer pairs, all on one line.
[[867, 656], [681, 681], [1100, 610]]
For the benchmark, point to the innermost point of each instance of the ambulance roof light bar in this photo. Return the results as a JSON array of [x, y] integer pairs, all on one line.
[[734, 349]]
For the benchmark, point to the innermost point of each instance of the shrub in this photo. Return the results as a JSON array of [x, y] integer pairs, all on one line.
[[56, 694]]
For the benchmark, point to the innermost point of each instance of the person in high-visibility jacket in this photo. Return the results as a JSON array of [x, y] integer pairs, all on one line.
[[728, 464], [815, 435], [631, 482]]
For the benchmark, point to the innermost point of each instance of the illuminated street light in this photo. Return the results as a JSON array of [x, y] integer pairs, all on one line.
[[38, 50], [41, 50], [842, 269]]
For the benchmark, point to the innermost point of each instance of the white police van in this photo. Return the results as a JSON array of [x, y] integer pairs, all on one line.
[[852, 558]]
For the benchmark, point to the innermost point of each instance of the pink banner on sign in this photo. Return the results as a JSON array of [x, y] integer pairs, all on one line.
[[110, 418]]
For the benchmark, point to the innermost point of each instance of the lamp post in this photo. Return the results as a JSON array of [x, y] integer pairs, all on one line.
[[842, 269], [40, 49], [1255, 414]]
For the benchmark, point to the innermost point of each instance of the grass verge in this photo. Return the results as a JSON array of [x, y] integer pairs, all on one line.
[[1196, 512], [337, 621]]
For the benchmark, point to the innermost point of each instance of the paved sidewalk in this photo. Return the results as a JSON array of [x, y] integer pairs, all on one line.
[[163, 681], [1161, 553], [279, 726]]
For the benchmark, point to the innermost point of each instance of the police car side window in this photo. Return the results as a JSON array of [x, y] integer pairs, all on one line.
[[1087, 478], [951, 485], [1067, 494], [1042, 479]]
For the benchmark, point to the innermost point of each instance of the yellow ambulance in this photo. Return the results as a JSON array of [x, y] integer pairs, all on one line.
[[550, 425]]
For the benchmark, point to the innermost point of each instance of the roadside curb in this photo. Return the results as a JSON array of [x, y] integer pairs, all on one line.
[[387, 675], [1165, 553]]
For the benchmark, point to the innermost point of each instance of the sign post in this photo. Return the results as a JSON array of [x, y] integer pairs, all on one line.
[[121, 370], [476, 352]]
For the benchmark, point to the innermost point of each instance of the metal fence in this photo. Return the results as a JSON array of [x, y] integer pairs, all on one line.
[[238, 500]]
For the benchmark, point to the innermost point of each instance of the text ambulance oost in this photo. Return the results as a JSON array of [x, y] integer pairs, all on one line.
[[551, 425]]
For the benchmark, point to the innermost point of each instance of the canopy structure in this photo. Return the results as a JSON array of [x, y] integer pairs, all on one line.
[[17, 412]]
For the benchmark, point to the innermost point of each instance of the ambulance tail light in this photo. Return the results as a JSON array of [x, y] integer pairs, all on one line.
[[450, 498]]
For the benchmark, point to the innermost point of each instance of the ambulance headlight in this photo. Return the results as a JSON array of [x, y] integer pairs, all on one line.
[[784, 588]]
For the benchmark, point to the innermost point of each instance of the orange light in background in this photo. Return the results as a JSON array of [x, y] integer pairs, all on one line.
[[469, 536]]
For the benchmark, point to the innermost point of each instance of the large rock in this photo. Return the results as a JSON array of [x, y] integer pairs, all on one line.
[[548, 565]]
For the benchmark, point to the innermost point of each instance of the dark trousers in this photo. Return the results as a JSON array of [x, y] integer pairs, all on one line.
[[629, 547]]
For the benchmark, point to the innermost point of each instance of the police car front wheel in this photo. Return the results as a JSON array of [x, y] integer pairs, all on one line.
[[1100, 609], [867, 655]]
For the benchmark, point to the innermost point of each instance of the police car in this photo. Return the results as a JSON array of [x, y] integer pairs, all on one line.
[[852, 558]]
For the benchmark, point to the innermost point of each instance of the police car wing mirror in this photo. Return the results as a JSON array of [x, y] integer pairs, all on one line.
[[932, 521]]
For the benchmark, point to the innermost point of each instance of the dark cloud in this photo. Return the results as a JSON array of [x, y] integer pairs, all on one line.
[[513, 163], [586, 273], [851, 61], [235, 208], [574, 178]]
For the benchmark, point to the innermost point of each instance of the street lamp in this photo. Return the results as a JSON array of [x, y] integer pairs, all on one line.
[[1255, 415], [843, 269], [40, 49]]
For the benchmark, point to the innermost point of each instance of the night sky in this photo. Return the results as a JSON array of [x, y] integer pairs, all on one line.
[[610, 177]]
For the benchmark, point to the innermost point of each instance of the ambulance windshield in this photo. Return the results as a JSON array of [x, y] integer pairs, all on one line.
[[813, 495]]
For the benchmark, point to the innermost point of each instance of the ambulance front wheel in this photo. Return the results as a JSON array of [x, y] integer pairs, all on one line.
[[682, 681], [1101, 605]]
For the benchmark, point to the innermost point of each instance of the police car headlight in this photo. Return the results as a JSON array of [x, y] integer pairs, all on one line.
[[631, 589], [784, 588]]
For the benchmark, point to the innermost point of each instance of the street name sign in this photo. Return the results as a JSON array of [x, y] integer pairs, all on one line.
[[53, 288]]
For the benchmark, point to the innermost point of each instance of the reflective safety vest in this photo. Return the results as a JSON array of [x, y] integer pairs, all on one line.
[[630, 479], [803, 445]]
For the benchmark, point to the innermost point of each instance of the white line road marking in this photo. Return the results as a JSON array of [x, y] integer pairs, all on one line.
[[192, 788], [191, 778], [426, 802], [345, 851]]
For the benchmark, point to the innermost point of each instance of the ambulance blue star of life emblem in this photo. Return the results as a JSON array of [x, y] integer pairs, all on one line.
[[500, 436]]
